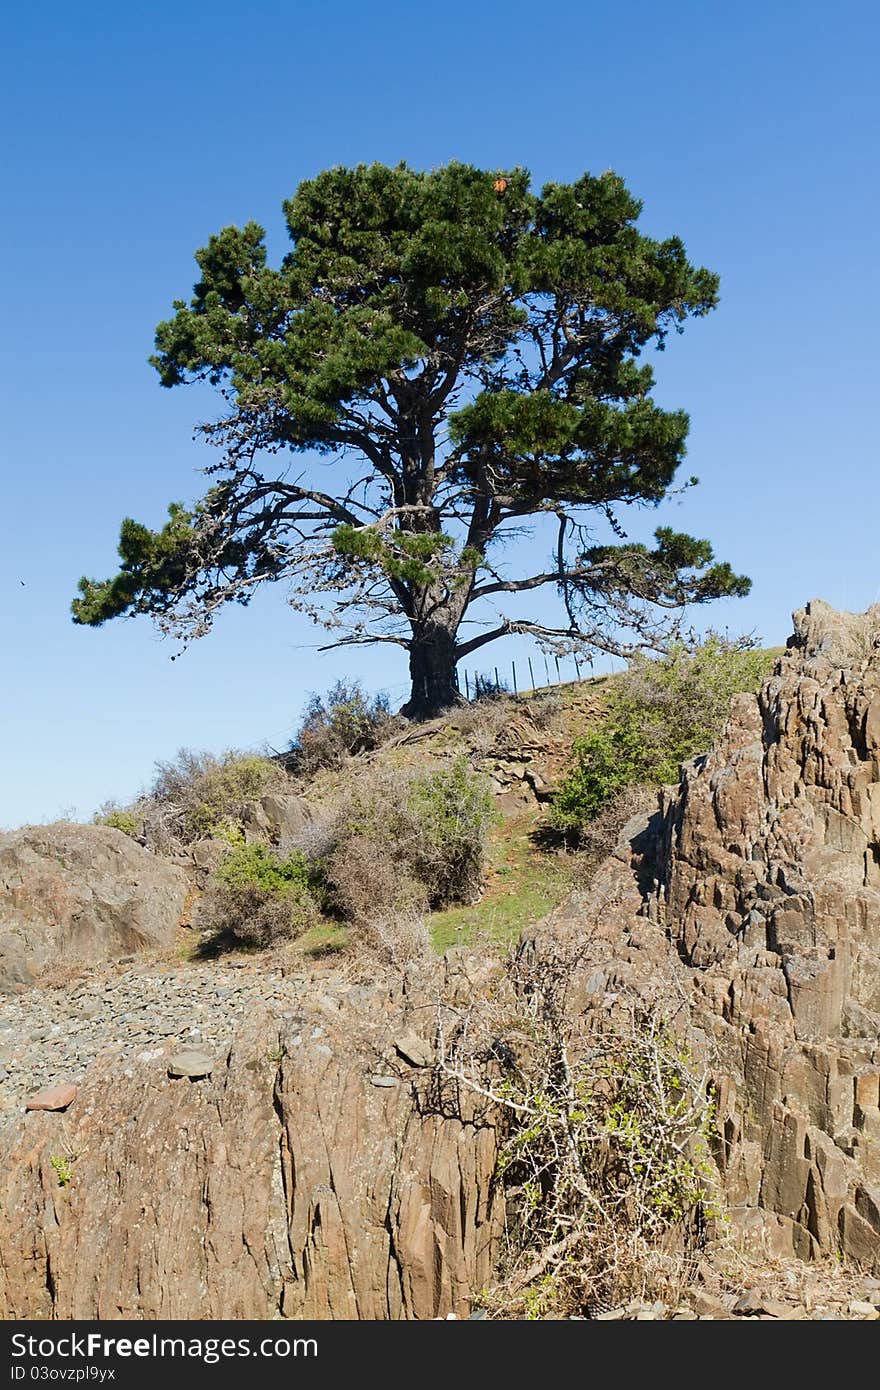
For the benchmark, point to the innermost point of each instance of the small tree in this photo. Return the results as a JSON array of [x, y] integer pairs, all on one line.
[[460, 355]]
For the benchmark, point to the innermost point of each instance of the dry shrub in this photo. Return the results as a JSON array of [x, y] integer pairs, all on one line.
[[344, 722], [367, 878], [196, 795], [408, 840], [859, 636], [605, 1122], [396, 939], [483, 722], [202, 793], [253, 915]]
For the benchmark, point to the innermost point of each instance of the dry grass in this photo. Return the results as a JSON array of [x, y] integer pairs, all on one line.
[[396, 939]]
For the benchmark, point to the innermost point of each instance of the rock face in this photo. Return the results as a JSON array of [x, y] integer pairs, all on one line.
[[286, 1183], [315, 1172], [771, 889], [80, 893], [753, 899], [278, 819]]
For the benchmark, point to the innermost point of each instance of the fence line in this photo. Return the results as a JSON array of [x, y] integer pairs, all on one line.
[[479, 684]]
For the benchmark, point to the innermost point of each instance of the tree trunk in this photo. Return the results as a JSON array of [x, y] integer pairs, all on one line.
[[432, 671]]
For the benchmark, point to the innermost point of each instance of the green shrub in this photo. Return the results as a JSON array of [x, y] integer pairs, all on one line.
[[121, 818], [198, 794], [258, 897], [661, 712], [63, 1166], [256, 866], [335, 726], [452, 810], [607, 760], [407, 841]]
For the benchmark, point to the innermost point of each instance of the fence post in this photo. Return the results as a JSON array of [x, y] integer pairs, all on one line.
[[515, 691], [467, 686], [558, 677], [532, 675], [546, 669]]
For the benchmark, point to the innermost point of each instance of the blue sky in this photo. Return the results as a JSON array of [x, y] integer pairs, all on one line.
[[133, 134]]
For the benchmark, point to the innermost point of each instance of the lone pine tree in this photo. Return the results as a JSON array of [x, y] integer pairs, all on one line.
[[455, 359]]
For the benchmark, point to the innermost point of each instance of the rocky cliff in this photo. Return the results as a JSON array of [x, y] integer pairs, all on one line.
[[309, 1174], [311, 1170], [770, 890], [749, 906]]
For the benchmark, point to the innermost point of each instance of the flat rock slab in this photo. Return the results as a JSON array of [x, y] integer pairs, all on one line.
[[191, 1064], [414, 1049], [53, 1098]]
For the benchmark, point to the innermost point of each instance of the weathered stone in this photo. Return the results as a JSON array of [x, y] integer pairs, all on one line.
[[285, 817], [764, 870], [191, 1064], [749, 1303], [53, 1098], [291, 1186], [206, 854], [80, 893], [414, 1049], [706, 1303], [858, 1308], [774, 1309]]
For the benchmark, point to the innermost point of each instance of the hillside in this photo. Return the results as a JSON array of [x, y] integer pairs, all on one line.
[[348, 1124], [523, 748]]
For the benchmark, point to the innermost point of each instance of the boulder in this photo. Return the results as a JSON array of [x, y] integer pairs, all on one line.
[[286, 816], [84, 893], [53, 1098]]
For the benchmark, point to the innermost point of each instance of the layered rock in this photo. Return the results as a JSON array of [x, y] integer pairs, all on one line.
[[310, 1175], [750, 906], [80, 893], [771, 889], [315, 1173]]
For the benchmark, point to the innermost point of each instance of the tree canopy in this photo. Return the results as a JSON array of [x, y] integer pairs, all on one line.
[[443, 360]]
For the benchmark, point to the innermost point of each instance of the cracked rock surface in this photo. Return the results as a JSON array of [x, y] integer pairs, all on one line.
[[286, 1183]]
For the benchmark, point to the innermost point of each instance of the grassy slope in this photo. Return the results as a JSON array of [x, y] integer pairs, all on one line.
[[522, 885], [524, 882]]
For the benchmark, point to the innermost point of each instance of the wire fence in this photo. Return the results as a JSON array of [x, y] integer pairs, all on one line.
[[524, 675], [477, 685]]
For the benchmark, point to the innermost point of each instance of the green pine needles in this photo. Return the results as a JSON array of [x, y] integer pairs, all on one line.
[[455, 359]]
